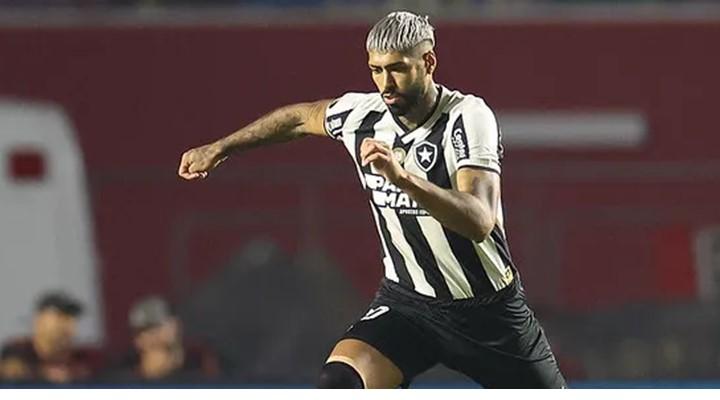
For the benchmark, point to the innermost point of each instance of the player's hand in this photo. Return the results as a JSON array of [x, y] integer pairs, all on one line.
[[380, 155], [198, 162]]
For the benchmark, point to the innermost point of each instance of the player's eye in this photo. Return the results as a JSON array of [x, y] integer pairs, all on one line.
[[375, 70], [402, 68]]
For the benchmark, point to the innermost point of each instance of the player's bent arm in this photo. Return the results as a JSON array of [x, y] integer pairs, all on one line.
[[282, 125], [471, 210]]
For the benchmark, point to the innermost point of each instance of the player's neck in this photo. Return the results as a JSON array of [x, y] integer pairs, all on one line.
[[419, 114]]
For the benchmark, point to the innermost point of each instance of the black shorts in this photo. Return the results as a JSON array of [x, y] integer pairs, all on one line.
[[496, 342]]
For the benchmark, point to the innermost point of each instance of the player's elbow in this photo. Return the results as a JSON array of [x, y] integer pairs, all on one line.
[[482, 222], [480, 235], [480, 230]]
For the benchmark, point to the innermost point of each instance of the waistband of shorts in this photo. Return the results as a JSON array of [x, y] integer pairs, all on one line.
[[394, 288]]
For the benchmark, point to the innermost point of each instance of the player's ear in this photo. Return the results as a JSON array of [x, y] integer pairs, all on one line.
[[430, 60]]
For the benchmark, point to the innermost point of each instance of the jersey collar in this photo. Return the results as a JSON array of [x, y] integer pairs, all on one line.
[[429, 116], [423, 130]]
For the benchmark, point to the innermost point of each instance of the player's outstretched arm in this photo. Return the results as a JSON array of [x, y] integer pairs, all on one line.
[[282, 125], [470, 210]]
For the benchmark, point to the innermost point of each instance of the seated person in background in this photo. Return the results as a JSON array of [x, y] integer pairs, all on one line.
[[49, 355], [160, 354], [13, 367]]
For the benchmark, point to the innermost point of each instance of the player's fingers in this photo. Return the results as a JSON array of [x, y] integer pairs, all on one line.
[[369, 153], [370, 159], [367, 141], [371, 143], [384, 145], [365, 146], [368, 146], [364, 153], [194, 168], [189, 176], [200, 165], [376, 157], [381, 146], [186, 174], [183, 164], [198, 175], [372, 146]]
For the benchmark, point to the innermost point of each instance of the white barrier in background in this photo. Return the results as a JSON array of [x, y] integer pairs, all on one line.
[[46, 238], [573, 129]]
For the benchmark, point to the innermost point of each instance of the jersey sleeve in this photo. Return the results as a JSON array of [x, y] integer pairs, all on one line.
[[476, 138], [337, 113]]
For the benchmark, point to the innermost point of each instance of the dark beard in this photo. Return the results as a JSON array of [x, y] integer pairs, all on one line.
[[398, 110], [412, 98]]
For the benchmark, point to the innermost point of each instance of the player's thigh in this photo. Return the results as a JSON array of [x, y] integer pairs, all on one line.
[[501, 345], [522, 359], [515, 374], [389, 340], [376, 370]]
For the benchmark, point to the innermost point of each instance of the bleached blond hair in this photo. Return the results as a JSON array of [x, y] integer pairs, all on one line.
[[400, 31]]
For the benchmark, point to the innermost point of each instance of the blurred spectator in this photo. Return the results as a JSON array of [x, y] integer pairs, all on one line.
[[160, 354], [49, 355], [13, 367]]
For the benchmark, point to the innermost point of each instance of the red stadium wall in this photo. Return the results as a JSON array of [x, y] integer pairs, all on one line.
[[589, 229]]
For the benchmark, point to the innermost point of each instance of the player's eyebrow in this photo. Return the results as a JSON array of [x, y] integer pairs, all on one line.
[[389, 66]]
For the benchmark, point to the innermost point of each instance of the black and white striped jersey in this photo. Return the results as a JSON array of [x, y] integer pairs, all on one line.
[[419, 252]]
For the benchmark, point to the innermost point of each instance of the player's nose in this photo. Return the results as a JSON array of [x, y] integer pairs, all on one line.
[[388, 83]]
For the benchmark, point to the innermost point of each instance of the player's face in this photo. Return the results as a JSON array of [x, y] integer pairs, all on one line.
[[400, 78]]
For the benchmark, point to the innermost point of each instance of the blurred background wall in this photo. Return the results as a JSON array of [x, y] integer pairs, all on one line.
[[611, 180]]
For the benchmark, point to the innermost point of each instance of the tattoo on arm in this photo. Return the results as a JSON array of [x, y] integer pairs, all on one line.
[[282, 125]]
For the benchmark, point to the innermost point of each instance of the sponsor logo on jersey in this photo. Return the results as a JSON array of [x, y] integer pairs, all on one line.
[[375, 312], [334, 123], [425, 155], [385, 194], [459, 142]]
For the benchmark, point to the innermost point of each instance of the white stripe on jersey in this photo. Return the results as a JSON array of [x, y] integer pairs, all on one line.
[[398, 238], [449, 266], [492, 262], [387, 260]]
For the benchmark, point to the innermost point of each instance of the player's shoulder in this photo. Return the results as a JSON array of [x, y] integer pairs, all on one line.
[[461, 103], [348, 110], [356, 101]]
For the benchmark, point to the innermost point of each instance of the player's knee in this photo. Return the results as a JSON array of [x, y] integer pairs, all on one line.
[[338, 375]]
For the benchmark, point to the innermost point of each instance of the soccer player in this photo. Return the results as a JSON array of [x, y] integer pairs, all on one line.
[[429, 158]]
